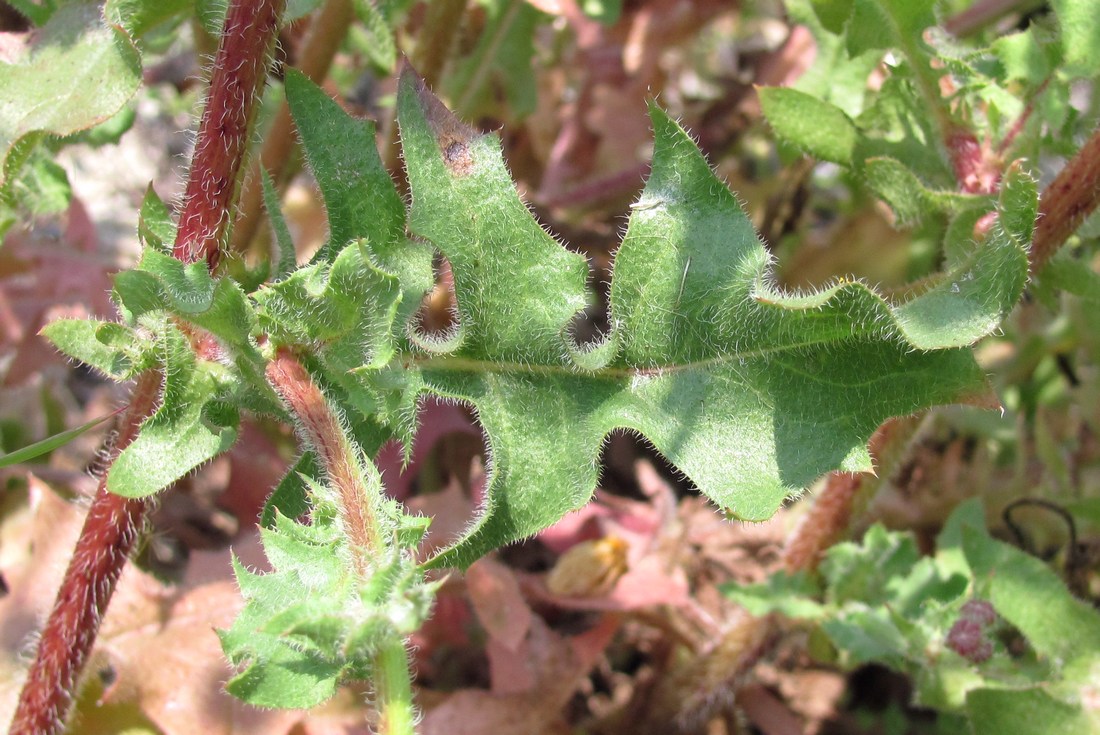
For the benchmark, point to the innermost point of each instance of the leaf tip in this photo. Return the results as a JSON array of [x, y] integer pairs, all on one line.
[[453, 136]]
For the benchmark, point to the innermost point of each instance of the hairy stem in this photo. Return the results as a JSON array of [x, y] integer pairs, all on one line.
[[397, 715], [845, 495], [110, 530], [1070, 198], [357, 498], [240, 68], [113, 522], [322, 430], [326, 31]]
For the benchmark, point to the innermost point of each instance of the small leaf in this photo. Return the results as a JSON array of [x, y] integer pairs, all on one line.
[[379, 46], [155, 227], [789, 595], [909, 198], [290, 497], [1030, 711], [287, 254], [114, 349], [141, 16], [360, 198], [833, 14], [49, 444], [188, 429], [819, 128]]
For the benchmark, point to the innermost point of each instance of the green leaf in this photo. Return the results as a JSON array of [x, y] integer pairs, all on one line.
[[751, 392], [141, 16], [31, 451], [116, 350], [1022, 57], [315, 620], [1073, 276], [347, 308], [360, 198], [189, 428], [155, 227], [1080, 26], [834, 76], [908, 196], [1032, 597], [76, 74], [291, 496], [287, 254], [819, 128], [40, 187], [1029, 711], [789, 595], [379, 45], [833, 14], [161, 284], [863, 572]]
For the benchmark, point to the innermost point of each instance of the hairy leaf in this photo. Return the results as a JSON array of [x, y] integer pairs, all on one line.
[[77, 73], [189, 428], [752, 392], [313, 621], [817, 127]]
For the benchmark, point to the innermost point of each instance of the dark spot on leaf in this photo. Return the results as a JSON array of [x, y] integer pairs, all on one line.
[[452, 135], [458, 159]]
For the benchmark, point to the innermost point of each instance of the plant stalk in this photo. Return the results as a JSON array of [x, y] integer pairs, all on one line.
[[393, 689], [113, 523], [326, 31], [358, 507], [1066, 202], [106, 539], [240, 69], [322, 430]]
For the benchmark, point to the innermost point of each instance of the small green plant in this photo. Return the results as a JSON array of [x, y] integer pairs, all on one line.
[[750, 389]]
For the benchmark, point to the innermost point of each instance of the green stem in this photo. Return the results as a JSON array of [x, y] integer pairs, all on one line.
[[393, 689]]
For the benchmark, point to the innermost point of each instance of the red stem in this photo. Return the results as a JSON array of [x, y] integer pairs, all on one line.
[[113, 523], [1070, 198], [322, 431], [105, 542], [239, 71]]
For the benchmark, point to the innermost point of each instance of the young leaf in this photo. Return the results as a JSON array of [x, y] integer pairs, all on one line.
[[751, 392], [1080, 26], [114, 349], [77, 73], [287, 259], [189, 427], [1029, 595], [313, 622]]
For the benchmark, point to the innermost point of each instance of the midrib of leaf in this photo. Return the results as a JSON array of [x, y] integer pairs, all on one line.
[[474, 365]]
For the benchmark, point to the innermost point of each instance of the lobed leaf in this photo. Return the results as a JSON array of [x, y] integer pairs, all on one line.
[[751, 392]]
